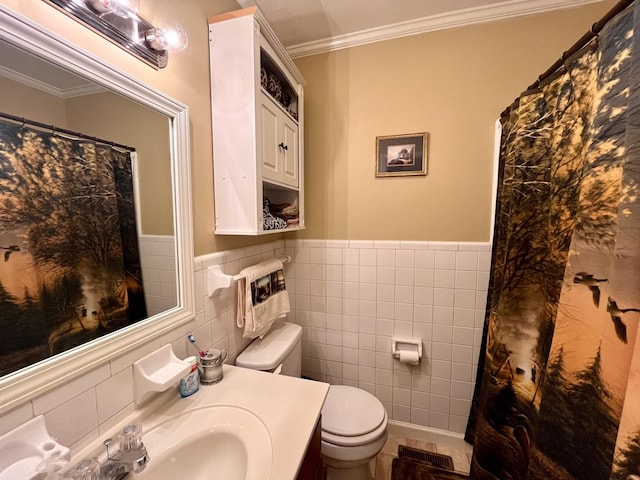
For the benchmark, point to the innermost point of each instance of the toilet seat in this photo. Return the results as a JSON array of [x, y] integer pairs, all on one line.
[[352, 417]]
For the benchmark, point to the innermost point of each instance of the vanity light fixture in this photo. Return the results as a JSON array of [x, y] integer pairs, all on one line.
[[118, 21]]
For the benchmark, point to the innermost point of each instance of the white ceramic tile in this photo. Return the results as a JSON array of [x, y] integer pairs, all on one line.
[[361, 243], [404, 294], [387, 244], [403, 311], [384, 327], [423, 313], [367, 308], [457, 423], [402, 380], [441, 369], [462, 354], [334, 272], [443, 245], [16, 418], [413, 245], [367, 274], [333, 256], [420, 416], [336, 243], [350, 339], [475, 246], [351, 290], [462, 390], [385, 293], [73, 419], [350, 355], [423, 295], [367, 325], [423, 331], [421, 383], [384, 377], [445, 259], [401, 413], [464, 317], [334, 337], [385, 310], [441, 351], [366, 341], [405, 276], [384, 394], [384, 360], [402, 328], [441, 387], [368, 292], [443, 297], [75, 387], [465, 298], [484, 262], [425, 259], [402, 396], [386, 275], [405, 258], [444, 278], [466, 261], [443, 315], [439, 420], [367, 374], [368, 257], [350, 323], [351, 273], [317, 272], [350, 371], [438, 403], [367, 358], [351, 256], [424, 277], [460, 407], [386, 258], [466, 279], [461, 371], [463, 336]]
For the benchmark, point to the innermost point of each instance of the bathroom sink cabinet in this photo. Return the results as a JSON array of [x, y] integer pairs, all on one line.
[[311, 468], [257, 97]]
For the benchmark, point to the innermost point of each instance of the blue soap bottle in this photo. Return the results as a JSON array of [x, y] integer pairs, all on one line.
[[190, 383]]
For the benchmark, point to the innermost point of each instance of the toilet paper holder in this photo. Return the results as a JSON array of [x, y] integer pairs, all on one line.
[[410, 344]]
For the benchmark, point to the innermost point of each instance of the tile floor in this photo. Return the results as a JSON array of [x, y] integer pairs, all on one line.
[[457, 449]]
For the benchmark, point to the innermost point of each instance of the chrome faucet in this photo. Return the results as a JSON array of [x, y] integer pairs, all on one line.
[[123, 462], [131, 458]]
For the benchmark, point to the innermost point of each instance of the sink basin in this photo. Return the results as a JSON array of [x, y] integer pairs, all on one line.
[[221, 441]]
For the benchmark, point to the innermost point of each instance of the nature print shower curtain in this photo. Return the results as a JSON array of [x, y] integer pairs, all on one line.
[[558, 393], [70, 269]]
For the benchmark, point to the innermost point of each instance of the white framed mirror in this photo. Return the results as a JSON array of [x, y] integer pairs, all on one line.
[[171, 216]]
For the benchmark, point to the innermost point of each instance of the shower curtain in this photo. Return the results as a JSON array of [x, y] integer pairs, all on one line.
[[70, 270], [558, 388]]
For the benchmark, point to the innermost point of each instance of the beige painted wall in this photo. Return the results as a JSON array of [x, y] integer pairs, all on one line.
[[114, 118], [453, 84]]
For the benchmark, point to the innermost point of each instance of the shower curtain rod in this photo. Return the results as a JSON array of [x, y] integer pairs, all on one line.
[[54, 130], [593, 32]]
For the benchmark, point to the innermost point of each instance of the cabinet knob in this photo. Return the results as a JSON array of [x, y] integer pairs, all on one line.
[[283, 146]]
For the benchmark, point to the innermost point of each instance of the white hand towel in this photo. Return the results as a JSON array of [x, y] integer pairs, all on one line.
[[262, 297]]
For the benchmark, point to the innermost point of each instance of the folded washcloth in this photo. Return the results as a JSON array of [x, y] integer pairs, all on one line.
[[262, 297]]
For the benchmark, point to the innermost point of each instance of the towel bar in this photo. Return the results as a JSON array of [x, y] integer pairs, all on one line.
[[217, 279]]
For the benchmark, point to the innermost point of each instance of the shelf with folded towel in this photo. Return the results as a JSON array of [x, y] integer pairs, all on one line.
[[217, 279]]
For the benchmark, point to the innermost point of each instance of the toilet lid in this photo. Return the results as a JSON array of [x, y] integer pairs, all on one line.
[[350, 411]]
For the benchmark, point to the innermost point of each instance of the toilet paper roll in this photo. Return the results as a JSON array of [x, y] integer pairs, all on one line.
[[411, 357]]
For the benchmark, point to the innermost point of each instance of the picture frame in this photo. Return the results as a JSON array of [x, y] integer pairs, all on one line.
[[401, 155]]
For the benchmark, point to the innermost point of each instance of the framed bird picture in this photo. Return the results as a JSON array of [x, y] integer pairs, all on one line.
[[401, 155]]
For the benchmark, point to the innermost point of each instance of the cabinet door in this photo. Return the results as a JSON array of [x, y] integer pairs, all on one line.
[[270, 131], [289, 151]]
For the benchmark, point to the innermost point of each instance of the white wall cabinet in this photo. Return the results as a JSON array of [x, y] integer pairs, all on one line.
[[257, 97]]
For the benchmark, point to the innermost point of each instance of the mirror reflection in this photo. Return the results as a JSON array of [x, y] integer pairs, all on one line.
[[86, 211]]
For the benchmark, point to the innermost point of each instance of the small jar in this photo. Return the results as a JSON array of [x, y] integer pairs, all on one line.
[[210, 366]]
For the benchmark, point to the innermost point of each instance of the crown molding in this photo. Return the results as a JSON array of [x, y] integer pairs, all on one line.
[[51, 90], [460, 18]]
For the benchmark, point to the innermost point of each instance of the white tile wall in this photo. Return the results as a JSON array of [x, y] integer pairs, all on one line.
[[352, 297], [158, 259]]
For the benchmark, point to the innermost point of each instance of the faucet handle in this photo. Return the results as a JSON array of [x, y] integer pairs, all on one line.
[[131, 438], [87, 469]]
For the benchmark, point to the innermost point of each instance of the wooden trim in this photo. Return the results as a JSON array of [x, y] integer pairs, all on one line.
[[230, 15]]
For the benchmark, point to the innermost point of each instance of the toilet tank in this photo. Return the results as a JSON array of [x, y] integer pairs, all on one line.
[[279, 351]]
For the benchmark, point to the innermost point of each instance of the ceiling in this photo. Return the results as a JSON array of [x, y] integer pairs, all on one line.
[[306, 27]]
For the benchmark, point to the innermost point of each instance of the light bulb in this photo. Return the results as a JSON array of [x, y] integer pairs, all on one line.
[[168, 35]]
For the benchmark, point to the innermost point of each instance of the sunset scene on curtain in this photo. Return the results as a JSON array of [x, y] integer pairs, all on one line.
[[70, 269]]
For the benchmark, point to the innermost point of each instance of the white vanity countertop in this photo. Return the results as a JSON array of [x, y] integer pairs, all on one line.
[[289, 407]]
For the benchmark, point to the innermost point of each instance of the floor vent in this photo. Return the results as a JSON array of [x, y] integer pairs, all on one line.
[[435, 459]]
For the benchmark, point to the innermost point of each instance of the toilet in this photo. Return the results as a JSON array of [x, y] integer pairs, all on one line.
[[354, 422]]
